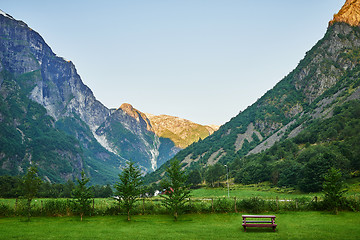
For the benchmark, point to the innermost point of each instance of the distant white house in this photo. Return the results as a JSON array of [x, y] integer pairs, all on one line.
[[157, 192]]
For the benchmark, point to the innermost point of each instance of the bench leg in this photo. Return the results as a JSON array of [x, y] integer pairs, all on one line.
[[274, 228], [244, 229]]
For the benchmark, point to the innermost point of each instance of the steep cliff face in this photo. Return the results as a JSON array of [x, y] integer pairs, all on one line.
[[60, 89], [31, 71], [101, 139], [128, 135], [327, 77]]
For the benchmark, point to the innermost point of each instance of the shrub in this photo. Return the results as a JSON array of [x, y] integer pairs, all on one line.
[[58, 207], [5, 210], [253, 205], [224, 205]]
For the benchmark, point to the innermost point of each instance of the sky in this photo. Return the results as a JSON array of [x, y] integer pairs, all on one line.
[[202, 60]]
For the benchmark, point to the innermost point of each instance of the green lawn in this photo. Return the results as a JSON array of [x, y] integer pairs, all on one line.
[[266, 191], [291, 225]]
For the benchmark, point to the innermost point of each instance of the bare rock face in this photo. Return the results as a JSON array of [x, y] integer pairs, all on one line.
[[136, 114], [349, 13]]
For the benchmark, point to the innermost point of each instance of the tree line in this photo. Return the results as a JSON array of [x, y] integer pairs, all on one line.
[[10, 187]]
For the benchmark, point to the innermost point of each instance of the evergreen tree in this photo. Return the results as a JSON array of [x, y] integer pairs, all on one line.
[[82, 195], [333, 189], [30, 186], [177, 192], [128, 188]]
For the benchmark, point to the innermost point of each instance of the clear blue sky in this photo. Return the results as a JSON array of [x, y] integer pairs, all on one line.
[[203, 60]]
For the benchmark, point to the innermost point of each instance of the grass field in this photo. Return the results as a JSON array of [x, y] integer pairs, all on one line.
[[291, 225], [264, 191]]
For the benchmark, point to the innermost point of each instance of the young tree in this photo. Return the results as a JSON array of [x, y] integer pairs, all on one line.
[[333, 189], [177, 192], [128, 188], [30, 185], [82, 195]]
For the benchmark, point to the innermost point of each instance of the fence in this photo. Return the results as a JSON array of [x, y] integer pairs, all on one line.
[[64, 207]]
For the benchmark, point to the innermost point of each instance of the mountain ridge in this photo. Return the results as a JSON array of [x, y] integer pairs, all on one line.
[[183, 132], [324, 79], [39, 87]]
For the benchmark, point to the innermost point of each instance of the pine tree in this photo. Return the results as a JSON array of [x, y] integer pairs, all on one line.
[[128, 187], [333, 188], [177, 192], [30, 186], [82, 196]]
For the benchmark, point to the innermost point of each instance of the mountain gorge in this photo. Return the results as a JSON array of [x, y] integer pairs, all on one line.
[[326, 79], [51, 119]]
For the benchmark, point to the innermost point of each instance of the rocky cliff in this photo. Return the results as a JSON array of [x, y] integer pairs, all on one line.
[[349, 13], [51, 119]]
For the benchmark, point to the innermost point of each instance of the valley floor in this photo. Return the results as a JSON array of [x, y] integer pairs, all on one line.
[[291, 225]]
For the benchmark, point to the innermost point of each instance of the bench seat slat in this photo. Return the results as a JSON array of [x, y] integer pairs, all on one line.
[[258, 221], [258, 216], [259, 225]]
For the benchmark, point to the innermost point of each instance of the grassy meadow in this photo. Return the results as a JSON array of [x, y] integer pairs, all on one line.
[[263, 190], [224, 224], [291, 225]]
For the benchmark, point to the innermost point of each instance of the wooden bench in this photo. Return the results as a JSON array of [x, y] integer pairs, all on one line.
[[260, 221]]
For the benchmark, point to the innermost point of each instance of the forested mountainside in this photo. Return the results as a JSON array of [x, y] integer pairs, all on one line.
[[324, 83], [51, 119]]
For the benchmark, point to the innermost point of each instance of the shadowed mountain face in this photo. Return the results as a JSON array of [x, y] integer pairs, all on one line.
[[50, 118], [325, 79]]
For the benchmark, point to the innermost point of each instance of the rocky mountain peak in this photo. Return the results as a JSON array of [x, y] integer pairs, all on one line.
[[129, 109], [349, 13], [136, 114]]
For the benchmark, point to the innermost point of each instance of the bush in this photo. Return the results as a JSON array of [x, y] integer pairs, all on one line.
[[253, 205], [224, 205], [58, 207], [5, 210]]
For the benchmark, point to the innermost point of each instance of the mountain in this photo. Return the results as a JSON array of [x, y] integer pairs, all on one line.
[[127, 132], [51, 119], [349, 13], [181, 131], [327, 79]]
